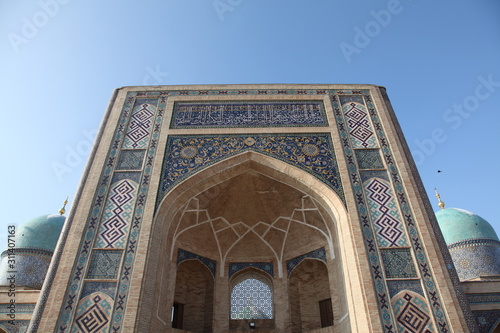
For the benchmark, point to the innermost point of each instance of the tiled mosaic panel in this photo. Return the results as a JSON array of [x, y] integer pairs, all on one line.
[[384, 212], [117, 215], [133, 176], [475, 260], [398, 263], [370, 239], [487, 320], [396, 286], [369, 159], [130, 160], [316, 254], [248, 114], [93, 314], [187, 154], [30, 269], [360, 128], [67, 316], [104, 264], [21, 326], [90, 287], [183, 255], [251, 299], [484, 298], [238, 266], [141, 122], [369, 174], [412, 313]]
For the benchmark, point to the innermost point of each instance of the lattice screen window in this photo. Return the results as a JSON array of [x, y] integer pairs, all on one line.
[[251, 297]]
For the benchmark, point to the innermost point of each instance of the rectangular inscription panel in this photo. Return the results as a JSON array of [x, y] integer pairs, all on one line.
[[248, 114]]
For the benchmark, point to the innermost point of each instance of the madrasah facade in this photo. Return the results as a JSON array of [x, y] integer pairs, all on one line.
[[265, 208]]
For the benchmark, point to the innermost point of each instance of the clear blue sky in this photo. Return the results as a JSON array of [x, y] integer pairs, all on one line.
[[60, 61]]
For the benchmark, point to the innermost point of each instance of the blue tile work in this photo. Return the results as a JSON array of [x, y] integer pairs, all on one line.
[[21, 326], [93, 314], [474, 258], [30, 268], [90, 287], [484, 298], [396, 286], [117, 216], [104, 264], [369, 174], [248, 114], [130, 175], [366, 136], [349, 142], [369, 159], [412, 313], [487, 320], [235, 267], [183, 255], [360, 129], [67, 317], [188, 154], [384, 213], [398, 263], [316, 254], [130, 160], [140, 124]]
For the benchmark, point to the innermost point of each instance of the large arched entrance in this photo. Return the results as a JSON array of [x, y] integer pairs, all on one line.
[[250, 214]]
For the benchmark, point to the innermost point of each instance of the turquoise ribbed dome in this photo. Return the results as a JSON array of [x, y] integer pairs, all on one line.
[[40, 233], [458, 225]]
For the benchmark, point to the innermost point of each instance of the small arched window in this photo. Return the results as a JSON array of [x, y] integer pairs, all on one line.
[[251, 297]]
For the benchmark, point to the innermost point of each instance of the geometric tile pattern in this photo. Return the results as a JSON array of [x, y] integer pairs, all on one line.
[[369, 159], [412, 313], [93, 314], [354, 132], [484, 298], [486, 319], [476, 258], [130, 160], [90, 287], [117, 215], [104, 264], [183, 255], [369, 119], [368, 174], [396, 286], [248, 114], [385, 216], [102, 208], [235, 267], [187, 154], [316, 254], [398, 263], [139, 127], [360, 129], [30, 268]]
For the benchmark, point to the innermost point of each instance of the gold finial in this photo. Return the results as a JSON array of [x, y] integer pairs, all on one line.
[[440, 203], [63, 209]]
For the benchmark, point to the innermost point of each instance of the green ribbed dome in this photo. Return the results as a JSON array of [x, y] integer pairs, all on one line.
[[459, 225], [40, 233]]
